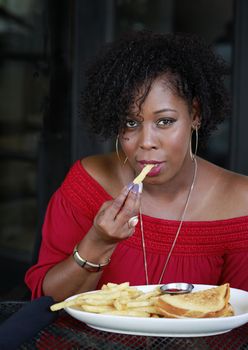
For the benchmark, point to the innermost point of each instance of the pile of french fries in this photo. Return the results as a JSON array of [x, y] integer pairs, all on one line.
[[115, 299]]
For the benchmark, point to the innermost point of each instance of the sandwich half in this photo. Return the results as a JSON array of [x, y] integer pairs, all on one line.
[[212, 302]]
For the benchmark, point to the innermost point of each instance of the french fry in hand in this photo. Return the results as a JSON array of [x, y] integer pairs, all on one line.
[[143, 173]]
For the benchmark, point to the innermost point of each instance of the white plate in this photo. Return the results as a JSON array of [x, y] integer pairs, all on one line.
[[164, 327]]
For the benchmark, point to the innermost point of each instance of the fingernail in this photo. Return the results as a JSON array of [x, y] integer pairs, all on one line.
[[127, 188], [135, 221], [135, 188], [140, 187], [132, 222], [130, 186]]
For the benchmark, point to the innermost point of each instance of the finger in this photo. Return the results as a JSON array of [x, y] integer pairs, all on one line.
[[105, 219], [105, 206], [103, 210], [133, 221], [131, 224], [131, 232], [108, 220], [130, 207], [119, 201], [137, 203]]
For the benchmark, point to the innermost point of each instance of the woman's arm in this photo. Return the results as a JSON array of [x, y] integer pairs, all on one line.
[[68, 278], [57, 273]]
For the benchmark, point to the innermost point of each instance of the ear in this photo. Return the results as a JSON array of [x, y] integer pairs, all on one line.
[[196, 114]]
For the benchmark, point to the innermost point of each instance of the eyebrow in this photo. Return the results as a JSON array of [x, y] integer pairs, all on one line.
[[165, 110], [156, 112]]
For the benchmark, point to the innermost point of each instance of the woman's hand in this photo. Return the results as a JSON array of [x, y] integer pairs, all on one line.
[[111, 223], [110, 227]]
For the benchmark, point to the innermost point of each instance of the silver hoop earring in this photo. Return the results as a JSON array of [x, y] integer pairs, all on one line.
[[117, 151], [116, 148], [193, 154]]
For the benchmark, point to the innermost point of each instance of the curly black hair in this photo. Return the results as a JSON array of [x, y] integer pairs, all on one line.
[[130, 65]]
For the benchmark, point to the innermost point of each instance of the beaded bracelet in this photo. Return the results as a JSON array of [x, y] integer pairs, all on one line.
[[87, 264]]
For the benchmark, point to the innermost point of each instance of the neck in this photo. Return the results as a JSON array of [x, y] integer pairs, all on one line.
[[167, 202]]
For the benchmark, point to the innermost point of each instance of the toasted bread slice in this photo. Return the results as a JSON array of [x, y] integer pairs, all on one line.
[[225, 312], [212, 302]]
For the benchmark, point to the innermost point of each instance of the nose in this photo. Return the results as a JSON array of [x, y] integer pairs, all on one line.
[[148, 138]]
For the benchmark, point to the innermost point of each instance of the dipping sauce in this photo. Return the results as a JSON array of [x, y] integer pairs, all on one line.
[[177, 288]]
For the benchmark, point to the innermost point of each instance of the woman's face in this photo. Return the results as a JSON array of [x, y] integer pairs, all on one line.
[[159, 134]]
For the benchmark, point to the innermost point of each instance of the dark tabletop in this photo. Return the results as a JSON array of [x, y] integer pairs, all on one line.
[[68, 333]]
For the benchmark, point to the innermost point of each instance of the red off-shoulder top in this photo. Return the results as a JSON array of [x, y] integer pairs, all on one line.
[[206, 252]]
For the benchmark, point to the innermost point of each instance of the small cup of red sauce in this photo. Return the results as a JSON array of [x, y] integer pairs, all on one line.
[[177, 288]]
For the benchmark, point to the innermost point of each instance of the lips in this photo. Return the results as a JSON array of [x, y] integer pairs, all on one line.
[[144, 162], [155, 170]]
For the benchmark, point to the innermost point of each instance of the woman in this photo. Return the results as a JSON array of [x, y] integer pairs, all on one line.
[[153, 93]]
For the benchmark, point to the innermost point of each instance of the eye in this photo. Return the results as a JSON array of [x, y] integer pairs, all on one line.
[[165, 122], [130, 123]]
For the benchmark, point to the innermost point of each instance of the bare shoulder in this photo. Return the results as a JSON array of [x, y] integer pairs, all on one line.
[[237, 186], [227, 191], [100, 167], [104, 169]]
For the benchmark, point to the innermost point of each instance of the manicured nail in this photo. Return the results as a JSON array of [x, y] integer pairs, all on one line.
[[132, 222], [135, 188], [127, 188], [130, 186]]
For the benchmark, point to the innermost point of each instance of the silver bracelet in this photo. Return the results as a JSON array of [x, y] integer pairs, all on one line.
[[87, 264]]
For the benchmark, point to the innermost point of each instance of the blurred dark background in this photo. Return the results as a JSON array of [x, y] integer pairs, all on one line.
[[44, 47]]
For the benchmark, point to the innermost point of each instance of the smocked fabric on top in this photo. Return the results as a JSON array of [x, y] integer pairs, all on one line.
[[206, 252]]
